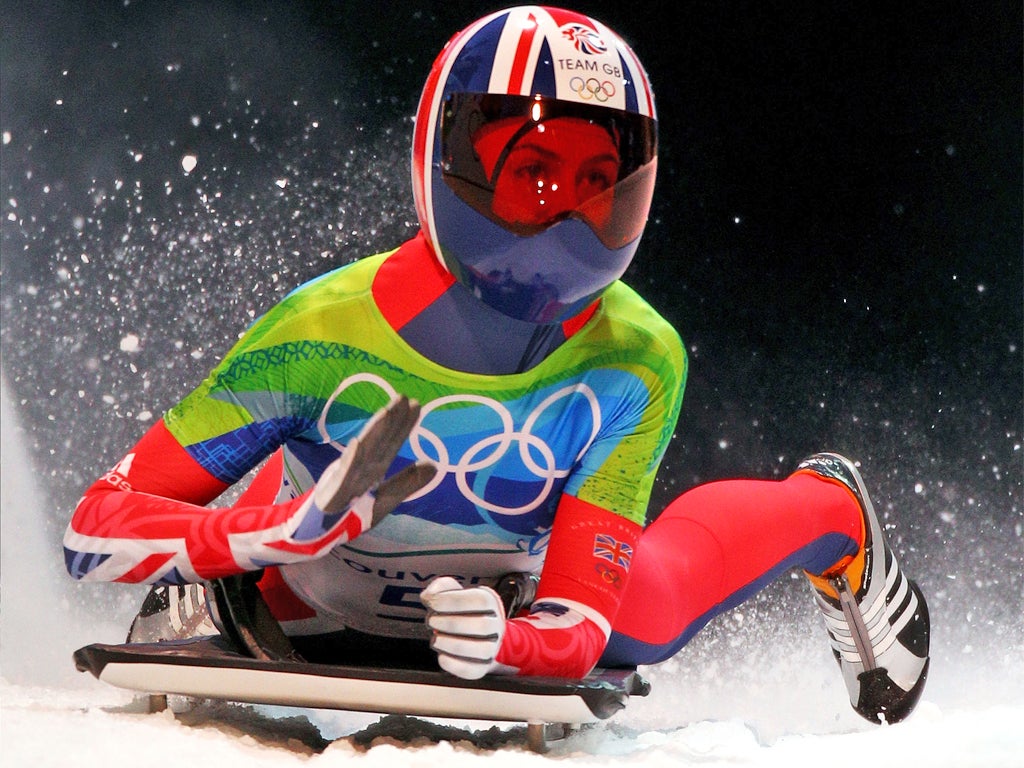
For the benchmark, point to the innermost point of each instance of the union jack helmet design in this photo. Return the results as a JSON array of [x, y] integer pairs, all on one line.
[[533, 161]]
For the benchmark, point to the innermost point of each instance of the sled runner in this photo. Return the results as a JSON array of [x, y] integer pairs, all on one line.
[[250, 663], [207, 668]]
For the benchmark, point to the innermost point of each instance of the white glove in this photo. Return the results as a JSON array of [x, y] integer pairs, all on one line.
[[354, 482], [467, 624]]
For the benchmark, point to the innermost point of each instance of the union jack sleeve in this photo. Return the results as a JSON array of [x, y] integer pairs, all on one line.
[[144, 522]]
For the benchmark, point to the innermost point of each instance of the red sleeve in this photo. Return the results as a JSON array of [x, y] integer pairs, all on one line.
[[159, 465], [578, 597]]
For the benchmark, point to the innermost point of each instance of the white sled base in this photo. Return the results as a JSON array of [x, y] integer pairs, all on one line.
[[207, 668]]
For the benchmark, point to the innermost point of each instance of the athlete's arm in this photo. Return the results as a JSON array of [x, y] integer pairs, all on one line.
[[578, 596], [569, 623], [144, 521]]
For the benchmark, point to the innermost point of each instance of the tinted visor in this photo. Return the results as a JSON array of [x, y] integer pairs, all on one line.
[[528, 162]]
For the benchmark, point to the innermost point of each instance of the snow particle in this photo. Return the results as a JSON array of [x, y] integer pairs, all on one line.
[[188, 163], [130, 343]]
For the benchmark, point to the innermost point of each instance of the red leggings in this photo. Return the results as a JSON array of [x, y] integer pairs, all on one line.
[[717, 545]]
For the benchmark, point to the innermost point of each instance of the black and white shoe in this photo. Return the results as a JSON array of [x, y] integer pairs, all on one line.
[[877, 618], [172, 613]]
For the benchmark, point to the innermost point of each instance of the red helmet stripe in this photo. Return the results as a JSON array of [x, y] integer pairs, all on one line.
[[423, 131], [522, 55]]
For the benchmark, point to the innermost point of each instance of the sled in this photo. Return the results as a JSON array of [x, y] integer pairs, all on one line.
[[249, 664]]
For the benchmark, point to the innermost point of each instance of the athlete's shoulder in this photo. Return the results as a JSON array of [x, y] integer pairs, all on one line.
[[639, 324], [347, 280], [320, 307]]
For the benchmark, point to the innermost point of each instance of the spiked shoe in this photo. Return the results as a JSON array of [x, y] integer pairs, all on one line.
[[877, 618]]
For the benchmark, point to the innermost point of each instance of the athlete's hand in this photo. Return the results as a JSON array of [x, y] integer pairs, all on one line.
[[354, 481], [467, 624]]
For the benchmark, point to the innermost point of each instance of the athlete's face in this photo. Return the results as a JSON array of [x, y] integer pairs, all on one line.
[[551, 171]]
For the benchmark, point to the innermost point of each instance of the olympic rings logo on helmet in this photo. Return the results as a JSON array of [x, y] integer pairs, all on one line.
[[592, 88], [535, 453]]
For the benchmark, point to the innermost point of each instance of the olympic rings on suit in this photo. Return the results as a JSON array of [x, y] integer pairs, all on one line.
[[609, 575], [505, 440]]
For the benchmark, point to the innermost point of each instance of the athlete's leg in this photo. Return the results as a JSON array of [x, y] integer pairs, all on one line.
[[717, 545]]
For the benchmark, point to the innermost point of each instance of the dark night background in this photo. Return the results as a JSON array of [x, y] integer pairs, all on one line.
[[836, 233]]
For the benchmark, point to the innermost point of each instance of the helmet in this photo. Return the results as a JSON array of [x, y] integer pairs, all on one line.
[[534, 158]]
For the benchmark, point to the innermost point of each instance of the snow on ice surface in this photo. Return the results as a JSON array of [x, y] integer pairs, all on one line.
[[98, 726]]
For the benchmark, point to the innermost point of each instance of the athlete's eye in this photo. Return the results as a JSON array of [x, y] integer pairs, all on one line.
[[598, 179], [531, 172]]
